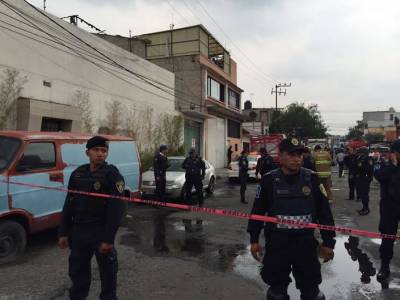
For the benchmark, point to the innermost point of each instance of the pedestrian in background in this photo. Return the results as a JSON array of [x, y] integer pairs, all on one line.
[[89, 223], [291, 193], [323, 164], [265, 163], [195, 172], [307, 159], [388, 176], [350, 163], [364, 174], [229, 154], [340, 160], [160, 166], [243, 174]]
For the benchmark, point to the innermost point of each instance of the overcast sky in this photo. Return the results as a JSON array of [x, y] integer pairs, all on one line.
[[343, 55]]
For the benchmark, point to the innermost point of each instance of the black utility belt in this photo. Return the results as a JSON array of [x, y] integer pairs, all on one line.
[[295, 232]]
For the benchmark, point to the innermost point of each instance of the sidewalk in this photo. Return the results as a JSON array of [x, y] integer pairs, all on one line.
[[221, 173]]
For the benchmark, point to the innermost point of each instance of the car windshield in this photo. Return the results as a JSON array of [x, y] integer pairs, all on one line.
[[8, 148], [175, 165], [251, 158]]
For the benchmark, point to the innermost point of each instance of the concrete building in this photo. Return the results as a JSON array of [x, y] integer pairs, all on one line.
[[205, 86], [60, 62], [382, 122]]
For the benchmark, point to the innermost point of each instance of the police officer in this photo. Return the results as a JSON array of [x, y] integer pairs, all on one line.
[[160, 167], [363, 175], [350, 163], [195, 172], [388, 176], [89, 223], [291, 193], [243, 174], [265, 163]]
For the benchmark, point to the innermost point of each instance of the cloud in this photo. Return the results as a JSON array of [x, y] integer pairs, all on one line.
[[343, 55]]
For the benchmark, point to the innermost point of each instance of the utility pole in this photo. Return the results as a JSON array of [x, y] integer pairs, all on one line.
[[44, 4], [278, 91]]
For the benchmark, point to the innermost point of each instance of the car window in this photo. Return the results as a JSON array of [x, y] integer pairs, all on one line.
[[175, 165], [8, 148], [37, 156], [252, 158]]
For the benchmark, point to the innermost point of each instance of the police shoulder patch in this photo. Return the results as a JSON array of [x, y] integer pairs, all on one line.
[[306, 190], [258, 191], [323, 191], [120, 185]]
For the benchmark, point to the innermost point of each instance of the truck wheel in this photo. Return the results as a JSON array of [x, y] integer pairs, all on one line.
[[211, 186], [12, 241]]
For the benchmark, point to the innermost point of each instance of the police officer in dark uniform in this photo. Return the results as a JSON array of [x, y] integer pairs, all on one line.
[[89, 224], [195, 171], [351, 164], [291, 193], [243, 175], [160, 166], [364, 173], [265, 163], [388, 176]]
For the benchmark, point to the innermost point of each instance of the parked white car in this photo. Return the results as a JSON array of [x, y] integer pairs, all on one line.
[[176, 179], [233, 169]]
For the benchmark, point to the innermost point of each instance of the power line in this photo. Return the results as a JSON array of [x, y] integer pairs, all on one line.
[[234, 44], [79, 54]]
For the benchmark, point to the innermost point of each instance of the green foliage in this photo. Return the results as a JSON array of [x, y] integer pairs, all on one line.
[[297, 119], [356, 132], [10, 91], [82, 100], [374, 137]]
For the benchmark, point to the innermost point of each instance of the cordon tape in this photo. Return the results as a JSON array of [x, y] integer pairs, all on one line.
[[222, 212]]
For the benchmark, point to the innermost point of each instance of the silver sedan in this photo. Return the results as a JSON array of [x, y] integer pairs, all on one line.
[[176, 179]]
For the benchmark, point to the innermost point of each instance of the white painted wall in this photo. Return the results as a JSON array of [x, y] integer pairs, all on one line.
[[216, 141], [69, 72]]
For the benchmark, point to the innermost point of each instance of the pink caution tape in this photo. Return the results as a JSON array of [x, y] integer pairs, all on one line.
[[223, 212]]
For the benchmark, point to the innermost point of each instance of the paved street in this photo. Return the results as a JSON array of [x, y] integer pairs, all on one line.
[[168, 254]]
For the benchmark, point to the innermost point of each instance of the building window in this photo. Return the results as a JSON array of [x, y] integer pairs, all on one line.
[[233, 129], [233, 99], [215, 89], [391, 117]]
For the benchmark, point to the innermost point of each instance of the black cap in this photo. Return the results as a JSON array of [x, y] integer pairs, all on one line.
[[291, 145], [163, 147], [395, 146], [192, 150], [263, 150], [97, 141]]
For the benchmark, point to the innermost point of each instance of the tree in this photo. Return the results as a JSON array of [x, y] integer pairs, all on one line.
[[172, 127], [374, 137], [297, 119], [82, 100], [10, 91], [356, 132], [115, 110]]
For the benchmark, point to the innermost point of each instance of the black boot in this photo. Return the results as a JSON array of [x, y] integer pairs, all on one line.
[[277, 295], [312, 294], [244, 201], [384, 272], [363, 212]]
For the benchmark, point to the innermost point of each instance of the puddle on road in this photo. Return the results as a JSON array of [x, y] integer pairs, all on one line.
[[157, 233], [351, 275]]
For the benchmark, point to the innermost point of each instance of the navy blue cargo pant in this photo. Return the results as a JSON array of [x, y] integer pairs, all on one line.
[[388, 224], [287, 253], [196, 181], [84, 243], [363, 187]]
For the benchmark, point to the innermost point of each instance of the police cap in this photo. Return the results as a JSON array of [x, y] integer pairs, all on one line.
[[97, 141], [395, 147], [163, 147], [291, 145]]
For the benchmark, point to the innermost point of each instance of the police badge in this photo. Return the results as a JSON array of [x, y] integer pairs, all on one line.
[[120, 185], [295, 142], [97, 186], [306, 190]]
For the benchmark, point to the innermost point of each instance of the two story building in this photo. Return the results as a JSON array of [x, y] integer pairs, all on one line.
[[206, 89]]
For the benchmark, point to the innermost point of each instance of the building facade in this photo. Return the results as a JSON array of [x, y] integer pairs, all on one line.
[[206, 88], [385, 123], [65, 70]]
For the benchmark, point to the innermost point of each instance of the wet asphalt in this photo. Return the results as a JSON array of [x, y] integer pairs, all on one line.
[[170, 254]]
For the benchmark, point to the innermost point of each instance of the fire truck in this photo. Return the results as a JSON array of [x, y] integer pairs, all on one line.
[[270, 142]]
